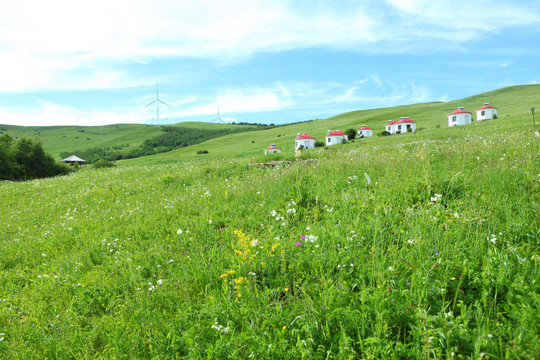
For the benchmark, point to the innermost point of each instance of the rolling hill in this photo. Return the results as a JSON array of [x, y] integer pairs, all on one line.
[[512, 102]]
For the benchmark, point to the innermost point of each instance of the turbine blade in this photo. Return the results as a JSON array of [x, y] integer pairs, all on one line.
[[151, 103]]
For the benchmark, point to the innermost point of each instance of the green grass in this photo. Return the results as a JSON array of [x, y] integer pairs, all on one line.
[[411, 246], [94, 265]]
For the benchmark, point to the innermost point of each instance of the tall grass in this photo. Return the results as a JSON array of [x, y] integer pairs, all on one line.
[[419, 249]]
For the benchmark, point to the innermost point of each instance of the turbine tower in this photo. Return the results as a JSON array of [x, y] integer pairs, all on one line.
[[157, 101], [218, 119]]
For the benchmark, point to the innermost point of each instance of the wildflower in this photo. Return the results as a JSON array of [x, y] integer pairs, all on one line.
[[286, 289], [493, 239], [284, 327], [302, 237], [437, 253], [298, 243], [452, 278], [210, 222], [254, 242], [410, 241], [179, 231]]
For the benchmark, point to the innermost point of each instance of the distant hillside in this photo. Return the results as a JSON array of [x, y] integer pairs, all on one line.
[[513, 104], [114, 142]]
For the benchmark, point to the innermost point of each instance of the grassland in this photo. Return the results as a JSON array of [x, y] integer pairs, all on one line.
[[413, 246]]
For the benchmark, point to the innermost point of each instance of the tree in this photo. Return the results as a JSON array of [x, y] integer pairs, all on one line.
[[351, 133], [25, 159], [8, 166]]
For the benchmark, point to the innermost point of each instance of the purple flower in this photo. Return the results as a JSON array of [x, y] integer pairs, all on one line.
[[298, 243], [437, 253], [302, 237], [408, 283]]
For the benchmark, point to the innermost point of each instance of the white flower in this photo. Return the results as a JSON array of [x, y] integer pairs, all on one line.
[[210, 221], [273, 213], [255, 242], [160, 282], [390, 268], [179, 231]]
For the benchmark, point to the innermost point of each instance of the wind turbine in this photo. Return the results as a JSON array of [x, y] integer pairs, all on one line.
[[157, 101], [218, 119]]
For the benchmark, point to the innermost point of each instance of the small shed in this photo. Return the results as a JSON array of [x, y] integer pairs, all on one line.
[[74, 159], [336, 137], [365, 131], [404, 125], [459, 117], [272, 149], [486, 112], [304, 140]]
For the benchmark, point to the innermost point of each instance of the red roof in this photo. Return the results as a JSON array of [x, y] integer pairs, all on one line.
[[459, 111], [272, 147], [486, 106], [405, 120], [364, 128], [336, 133], [304, 137], [392, 123]]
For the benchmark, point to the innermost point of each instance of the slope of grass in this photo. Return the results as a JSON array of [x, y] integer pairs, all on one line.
[[396, 250]]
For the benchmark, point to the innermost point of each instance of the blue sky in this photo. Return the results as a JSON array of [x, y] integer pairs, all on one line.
[[70, 62]]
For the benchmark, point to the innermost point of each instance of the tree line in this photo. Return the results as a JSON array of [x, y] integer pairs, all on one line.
[[25, 159], [173, 137]]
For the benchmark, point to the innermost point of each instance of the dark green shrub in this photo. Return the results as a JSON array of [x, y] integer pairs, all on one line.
[[202, 151], [103, 164]]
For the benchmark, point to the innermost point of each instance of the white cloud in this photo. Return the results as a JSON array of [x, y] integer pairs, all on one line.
[[46, 44], [51, 113]]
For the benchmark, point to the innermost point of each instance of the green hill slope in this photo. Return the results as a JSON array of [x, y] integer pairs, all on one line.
[[513, 105], [121, 137]]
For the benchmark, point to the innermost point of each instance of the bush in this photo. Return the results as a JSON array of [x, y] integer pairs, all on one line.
[[384, 133], [25, 159], [351, 133], [103, 164], [319, 144], [202, 151]]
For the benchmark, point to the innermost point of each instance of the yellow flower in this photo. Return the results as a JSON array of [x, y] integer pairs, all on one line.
[[284, 327], [452, 278], [230, 272], [286, 289], [224, 275]]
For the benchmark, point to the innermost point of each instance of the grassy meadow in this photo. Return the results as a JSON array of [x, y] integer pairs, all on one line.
[[412, 246]]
